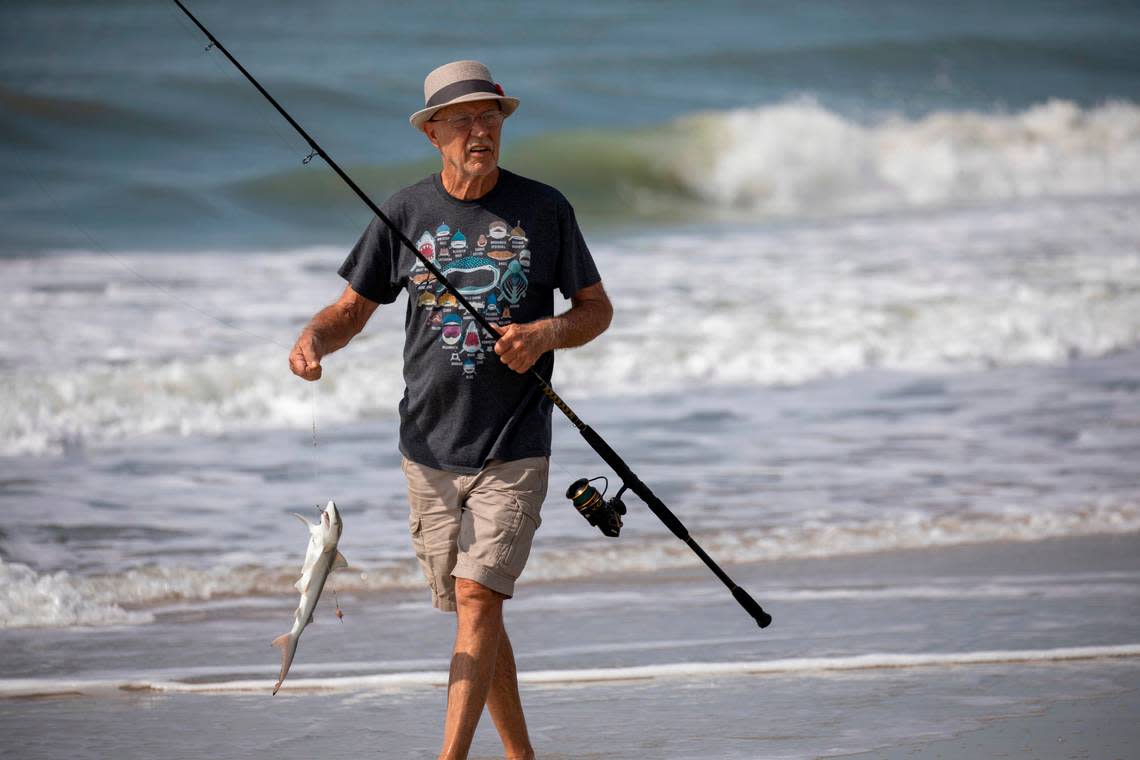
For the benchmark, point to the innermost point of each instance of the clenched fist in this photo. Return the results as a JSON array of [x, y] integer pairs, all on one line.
[[305, 358], [520, 345]]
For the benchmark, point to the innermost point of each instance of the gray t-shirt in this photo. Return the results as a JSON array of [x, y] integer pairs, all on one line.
[[506, 252]]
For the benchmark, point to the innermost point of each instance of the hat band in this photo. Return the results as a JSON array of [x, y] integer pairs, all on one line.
[[457, 89]]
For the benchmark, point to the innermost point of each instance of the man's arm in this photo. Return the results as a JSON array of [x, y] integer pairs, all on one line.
[[520, 345], [331, 329]]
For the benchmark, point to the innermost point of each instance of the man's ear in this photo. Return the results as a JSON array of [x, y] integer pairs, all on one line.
[[429, 130]]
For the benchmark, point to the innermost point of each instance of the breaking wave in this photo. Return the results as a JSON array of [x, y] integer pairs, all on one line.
[[62, 599], [799, 157], [57, 600], [795, 158]]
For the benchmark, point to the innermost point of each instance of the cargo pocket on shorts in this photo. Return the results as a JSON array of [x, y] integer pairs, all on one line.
[[525, 520], [415, 525]]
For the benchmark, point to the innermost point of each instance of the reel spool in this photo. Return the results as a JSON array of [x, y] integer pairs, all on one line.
[[602, 514]]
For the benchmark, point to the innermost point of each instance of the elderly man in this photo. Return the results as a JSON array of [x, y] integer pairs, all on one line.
[[474, 428]]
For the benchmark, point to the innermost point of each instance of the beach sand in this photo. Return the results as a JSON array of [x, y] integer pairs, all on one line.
[[662, 666], [1103, 728]]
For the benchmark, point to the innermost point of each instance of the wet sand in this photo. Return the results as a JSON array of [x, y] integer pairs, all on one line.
[[885, 654], [1104, 728]]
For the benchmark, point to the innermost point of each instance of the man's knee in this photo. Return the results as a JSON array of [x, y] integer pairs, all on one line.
[[474, 595]]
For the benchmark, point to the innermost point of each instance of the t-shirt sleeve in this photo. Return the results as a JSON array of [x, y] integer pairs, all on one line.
[[576, 269], [372, 267]]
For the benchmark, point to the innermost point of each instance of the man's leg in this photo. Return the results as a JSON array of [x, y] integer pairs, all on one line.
[[505, 705], [478, 640], [500, 515]]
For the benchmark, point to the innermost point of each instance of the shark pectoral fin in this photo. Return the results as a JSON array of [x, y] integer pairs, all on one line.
[[339, 561], [308, 524]]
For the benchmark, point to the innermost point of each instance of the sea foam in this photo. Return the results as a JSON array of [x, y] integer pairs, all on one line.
[[801, 158], [58, 600], [968, 290], [803, 666], [136, 596]]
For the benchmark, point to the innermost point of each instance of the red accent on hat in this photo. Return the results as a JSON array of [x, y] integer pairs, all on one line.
[[499, 88]]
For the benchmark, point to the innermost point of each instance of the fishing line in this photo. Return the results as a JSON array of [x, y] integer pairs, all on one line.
[[628, 478], [316, 456], [289, 141]]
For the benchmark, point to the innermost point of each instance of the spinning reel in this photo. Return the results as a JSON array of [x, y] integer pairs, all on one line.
[[604, 514]]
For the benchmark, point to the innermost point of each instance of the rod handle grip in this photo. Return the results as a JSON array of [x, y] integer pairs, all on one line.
[[762, 618]]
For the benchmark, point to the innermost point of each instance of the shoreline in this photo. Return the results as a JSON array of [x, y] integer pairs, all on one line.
[[1104, 549], [666, 667]]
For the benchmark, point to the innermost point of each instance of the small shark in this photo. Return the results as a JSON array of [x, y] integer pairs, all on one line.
[[321, 559]]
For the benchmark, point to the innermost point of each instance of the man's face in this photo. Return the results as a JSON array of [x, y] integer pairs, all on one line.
[[471, 150]]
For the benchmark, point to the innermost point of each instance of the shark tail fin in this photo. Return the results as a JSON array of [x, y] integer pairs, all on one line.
[[285, 642]]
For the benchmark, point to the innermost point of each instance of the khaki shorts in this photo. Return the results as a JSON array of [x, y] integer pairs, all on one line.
[[478, 527]]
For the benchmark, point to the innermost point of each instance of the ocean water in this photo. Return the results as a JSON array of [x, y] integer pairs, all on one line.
[[117, 125], [876, 273]]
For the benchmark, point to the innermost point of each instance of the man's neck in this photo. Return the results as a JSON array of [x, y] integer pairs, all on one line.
[[467, 187]]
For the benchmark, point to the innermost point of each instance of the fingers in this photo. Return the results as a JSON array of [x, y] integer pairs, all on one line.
[[304, 360], [505, 340], [518, 363], [303, 368], [514, 348]]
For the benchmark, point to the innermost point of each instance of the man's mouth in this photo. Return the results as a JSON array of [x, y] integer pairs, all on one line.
[[479, 149]]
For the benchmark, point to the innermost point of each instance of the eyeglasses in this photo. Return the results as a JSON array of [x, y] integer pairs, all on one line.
[[489, 119]]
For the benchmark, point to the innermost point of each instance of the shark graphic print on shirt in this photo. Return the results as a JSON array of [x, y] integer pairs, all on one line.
[[491, 275]]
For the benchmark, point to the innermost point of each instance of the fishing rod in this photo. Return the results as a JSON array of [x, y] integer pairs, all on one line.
[[602, 513]]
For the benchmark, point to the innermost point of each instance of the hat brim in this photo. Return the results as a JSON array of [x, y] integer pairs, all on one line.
[[508, 105]]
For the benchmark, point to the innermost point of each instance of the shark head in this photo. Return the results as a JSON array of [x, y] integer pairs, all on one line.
[[331, 525]]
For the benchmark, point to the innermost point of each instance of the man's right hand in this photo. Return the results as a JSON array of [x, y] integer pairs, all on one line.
[[305, 359], [335, 324]]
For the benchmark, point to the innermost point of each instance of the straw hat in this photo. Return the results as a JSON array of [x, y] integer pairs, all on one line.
[[460, 82]]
